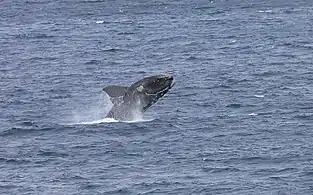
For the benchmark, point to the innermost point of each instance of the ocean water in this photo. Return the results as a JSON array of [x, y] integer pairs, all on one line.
[[238, 121]]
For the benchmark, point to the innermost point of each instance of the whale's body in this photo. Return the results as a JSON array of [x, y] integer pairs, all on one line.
[[137, 98]]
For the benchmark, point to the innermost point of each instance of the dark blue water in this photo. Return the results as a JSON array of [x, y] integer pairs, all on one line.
[[238, 121]]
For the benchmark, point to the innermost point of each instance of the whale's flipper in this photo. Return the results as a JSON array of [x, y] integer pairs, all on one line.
[[115, 91]]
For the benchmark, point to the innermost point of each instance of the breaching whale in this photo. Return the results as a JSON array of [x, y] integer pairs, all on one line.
[[128, 101]]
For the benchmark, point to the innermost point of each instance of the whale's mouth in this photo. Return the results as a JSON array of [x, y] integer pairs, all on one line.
[[169, 84], [156, 88], [158, 92]]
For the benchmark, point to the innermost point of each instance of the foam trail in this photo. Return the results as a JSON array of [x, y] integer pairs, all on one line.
[[140, 121], [111, 120], [105, 120]]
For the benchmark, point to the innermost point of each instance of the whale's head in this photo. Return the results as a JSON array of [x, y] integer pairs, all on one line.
[[147, 91]]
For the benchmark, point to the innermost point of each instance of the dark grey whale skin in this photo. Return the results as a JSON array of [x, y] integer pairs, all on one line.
[[128, 101]]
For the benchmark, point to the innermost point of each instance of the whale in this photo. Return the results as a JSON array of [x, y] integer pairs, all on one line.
[[128, 101]]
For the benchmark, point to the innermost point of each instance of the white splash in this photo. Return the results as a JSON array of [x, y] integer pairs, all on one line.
[[94, 111], [88, 110], [137, 117], [100, 22], [136, 113], [253, 114], [259, 96]]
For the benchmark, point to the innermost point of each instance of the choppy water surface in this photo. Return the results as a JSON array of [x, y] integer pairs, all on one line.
[[238, 121]]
